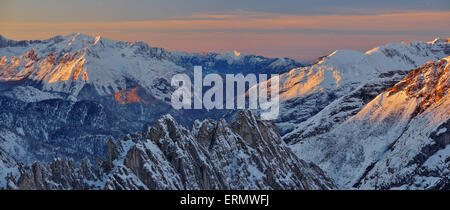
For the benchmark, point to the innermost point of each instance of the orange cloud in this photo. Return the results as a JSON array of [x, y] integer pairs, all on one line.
[[303, 36]]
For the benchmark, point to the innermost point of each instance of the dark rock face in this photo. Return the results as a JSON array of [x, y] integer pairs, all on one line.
[[57, 175], [213, 155]]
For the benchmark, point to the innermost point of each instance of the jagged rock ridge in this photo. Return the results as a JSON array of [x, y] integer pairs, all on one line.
[[214, 155]]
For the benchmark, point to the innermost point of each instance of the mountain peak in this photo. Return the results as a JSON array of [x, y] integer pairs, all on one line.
[[439, 40], [236, 53]]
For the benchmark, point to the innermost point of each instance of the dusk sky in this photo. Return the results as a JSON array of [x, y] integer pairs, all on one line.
[[303, 30]]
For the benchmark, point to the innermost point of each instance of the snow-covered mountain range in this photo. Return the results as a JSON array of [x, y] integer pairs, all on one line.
[[369, 120], [69, 64]]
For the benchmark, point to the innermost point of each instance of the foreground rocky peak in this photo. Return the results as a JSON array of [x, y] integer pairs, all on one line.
[[248, 154]]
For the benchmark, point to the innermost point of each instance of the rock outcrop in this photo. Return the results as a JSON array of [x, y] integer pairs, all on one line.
[[248, 154]]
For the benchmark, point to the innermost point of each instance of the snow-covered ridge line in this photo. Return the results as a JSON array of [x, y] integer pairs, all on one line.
[[68, 63], [307, 90], [344, 66]]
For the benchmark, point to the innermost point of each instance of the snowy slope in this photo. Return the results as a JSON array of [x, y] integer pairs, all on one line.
[[399, 139], [344, 67], [343, 108], [307, 90]]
